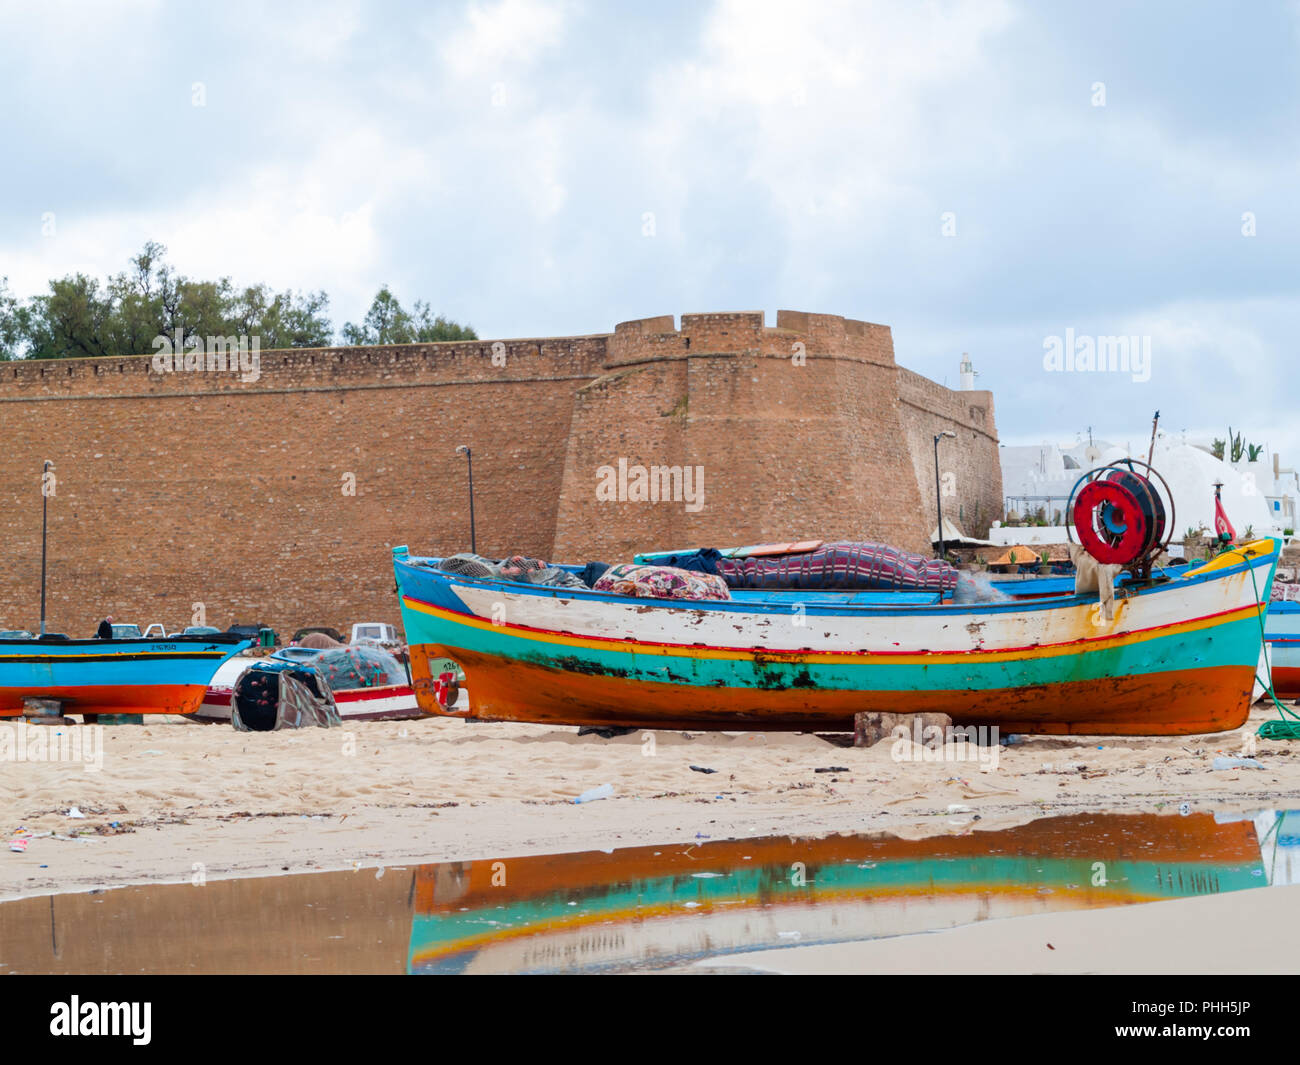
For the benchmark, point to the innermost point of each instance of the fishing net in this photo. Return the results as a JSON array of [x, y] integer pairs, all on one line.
[[468, 565], [267, 700], [319, 641], [514, 568], [358, 666]]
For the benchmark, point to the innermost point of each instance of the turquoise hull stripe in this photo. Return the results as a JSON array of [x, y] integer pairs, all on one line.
[[1234, 643]]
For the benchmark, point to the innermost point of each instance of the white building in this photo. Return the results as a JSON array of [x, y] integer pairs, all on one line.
[[1259, 497]]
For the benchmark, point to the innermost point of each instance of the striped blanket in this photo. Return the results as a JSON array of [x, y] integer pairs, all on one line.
[[847, 565]]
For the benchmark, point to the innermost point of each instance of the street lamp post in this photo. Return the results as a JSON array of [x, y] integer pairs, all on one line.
[[938, 494], [45, 511], [469, 458]]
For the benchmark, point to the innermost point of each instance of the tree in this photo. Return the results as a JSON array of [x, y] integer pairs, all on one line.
[[71, 322], [299, 321], [137, 311], [385, 323], [12, 325], [430, 329], [388, 322], [282, 320], [149, 300]]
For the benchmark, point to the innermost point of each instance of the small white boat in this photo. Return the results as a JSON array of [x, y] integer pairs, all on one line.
[[377, 702], [388, 703]]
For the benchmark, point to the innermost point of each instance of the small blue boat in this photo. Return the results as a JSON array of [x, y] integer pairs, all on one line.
[[1282, 635], [167, 676]]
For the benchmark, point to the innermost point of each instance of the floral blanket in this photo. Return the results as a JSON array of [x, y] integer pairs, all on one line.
[[662, 582]]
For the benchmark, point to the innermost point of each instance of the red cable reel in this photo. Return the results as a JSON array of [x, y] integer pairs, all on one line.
[[1119, 516]]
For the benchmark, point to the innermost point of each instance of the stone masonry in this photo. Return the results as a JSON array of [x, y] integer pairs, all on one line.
[[195, 493]]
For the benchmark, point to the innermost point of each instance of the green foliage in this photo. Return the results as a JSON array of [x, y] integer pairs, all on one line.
[[284, 319], [1217, 449], [78, 317], [1238, 445], [70, 322], [1253, 451], [13, 323], [388, 322]]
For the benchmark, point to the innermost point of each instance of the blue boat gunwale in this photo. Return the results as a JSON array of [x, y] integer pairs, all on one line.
[[219, 640], [807, 598]]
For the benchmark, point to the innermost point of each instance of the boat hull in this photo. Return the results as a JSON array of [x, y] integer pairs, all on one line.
[[1176, 658], [112, 676], [1282, 626], [1169, 703]]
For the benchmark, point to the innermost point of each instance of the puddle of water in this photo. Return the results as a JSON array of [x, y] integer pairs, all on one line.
[[644, 908]]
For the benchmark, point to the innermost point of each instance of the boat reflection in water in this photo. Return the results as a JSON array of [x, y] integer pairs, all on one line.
[[653, 907], [1279, 844], [644, 908]]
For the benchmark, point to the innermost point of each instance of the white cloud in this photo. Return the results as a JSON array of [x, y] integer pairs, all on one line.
[[827, 106], [307, 223], [497, 38], [792, 156], [311, 30]]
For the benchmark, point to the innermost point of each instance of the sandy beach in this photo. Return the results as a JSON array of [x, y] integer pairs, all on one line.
[[172, 799]]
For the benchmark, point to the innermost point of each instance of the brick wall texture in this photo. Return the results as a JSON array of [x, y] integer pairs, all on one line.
[[277, 500]]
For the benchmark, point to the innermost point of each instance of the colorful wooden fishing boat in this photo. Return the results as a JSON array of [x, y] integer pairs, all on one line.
[[671, 904], [1177, 657], [95, 676]]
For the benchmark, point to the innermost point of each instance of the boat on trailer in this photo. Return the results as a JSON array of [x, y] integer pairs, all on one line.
[[139, 676], [1173, 654]]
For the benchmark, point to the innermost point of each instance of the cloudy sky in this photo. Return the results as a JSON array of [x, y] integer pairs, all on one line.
[[980, 177]]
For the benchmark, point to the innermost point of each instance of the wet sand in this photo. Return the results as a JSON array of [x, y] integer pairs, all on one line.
[[175, 800], [1242, 932]]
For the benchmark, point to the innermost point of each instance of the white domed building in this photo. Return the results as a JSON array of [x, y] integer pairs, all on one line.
[[1258, 497]]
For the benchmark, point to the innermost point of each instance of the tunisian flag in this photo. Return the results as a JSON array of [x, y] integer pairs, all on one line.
[[1222, 526]]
